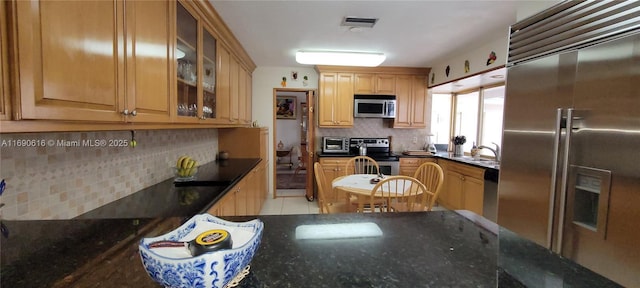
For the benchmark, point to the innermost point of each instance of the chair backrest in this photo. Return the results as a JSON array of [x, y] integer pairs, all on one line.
[[431, 175], [362, 165], [321, 179], [399, 189]]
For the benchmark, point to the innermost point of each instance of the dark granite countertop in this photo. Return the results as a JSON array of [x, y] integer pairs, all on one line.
[[425, 249], [40, 252], [422, 249], [491, 169]]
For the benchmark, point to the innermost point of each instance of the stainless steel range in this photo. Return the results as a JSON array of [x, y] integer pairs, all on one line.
[[380, 150]]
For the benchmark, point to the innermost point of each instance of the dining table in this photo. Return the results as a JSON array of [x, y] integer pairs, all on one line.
[[360, 186]]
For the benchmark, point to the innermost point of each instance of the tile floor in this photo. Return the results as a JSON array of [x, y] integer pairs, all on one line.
[[293, 201], [294, 204], [297, 204]]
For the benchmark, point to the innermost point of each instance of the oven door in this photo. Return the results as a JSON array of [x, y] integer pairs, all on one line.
[[389, 167]]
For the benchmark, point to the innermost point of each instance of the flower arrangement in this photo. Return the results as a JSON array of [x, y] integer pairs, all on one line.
[[459, 140]]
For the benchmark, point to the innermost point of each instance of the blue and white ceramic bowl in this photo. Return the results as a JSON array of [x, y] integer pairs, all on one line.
[[175, 267]]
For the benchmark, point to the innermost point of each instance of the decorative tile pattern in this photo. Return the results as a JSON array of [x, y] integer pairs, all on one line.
[[374, 127], [70, 173]]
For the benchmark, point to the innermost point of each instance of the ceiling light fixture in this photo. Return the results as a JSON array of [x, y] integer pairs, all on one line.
[[340, 58]]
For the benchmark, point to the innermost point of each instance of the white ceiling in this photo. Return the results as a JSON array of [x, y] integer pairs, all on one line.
[[411, 33]]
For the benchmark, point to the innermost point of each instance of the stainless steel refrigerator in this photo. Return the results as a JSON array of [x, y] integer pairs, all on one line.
[[570, 171]]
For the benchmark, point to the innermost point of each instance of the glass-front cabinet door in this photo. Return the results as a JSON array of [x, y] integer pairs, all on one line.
[[208, 75], [187, 63]]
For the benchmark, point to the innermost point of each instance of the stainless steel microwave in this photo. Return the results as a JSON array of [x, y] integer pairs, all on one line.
[[374, 106], [335, 145]]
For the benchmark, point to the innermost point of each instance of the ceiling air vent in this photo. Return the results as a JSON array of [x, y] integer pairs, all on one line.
[[359, 22]]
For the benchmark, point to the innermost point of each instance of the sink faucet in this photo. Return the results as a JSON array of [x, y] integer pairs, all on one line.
[[496, 152]]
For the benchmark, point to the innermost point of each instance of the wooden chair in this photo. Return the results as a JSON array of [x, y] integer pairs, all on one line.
[[326, 207], [431, 175], [362, 165], [400, 193]]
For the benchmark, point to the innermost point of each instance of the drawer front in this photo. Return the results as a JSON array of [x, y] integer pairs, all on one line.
[[467, 170], [333, 161]]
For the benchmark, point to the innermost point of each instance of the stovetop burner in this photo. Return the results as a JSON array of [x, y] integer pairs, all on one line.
[[377, 148]]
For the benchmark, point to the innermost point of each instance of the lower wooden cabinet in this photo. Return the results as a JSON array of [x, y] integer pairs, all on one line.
[[333, 167], [408, 166], [244, 198], [249, 194], [463, 187]]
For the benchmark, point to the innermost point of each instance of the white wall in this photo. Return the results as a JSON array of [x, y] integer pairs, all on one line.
[[496, 41], [265, 80]]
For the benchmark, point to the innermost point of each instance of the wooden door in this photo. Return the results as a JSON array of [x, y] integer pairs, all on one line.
[[403, 101], [234, 92], [452, 194], [309, 144], [418, 101], [343, 103], [209, 101], [364, 83], [249, 95], [148, 66], [222, 86], [71, 59], [189, 63], [5, 100], [242, 97], [386, 84], [473, 194], [328, 85]]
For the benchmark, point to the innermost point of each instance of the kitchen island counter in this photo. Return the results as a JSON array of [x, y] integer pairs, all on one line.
[[420, 249]]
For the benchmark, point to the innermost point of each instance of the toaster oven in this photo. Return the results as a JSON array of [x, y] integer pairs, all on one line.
[[335, 145]]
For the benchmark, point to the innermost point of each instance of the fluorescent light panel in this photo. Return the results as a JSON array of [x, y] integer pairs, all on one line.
[[340, 58]]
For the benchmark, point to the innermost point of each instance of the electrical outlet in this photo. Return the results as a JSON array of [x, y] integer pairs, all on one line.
[[415, 139]]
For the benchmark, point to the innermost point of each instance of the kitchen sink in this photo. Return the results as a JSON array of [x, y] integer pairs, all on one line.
[[481, 161]]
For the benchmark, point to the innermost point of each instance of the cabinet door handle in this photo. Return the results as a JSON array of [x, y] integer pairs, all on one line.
[[125, 112], [134, 113]]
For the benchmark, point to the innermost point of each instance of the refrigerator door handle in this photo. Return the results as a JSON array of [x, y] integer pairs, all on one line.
[[565, 177], [554, 177]]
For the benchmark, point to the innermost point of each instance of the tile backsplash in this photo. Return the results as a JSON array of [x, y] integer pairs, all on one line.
[[375, 127], [62, 175]]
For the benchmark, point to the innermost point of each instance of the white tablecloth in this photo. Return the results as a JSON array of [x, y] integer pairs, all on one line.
[[361, 181]]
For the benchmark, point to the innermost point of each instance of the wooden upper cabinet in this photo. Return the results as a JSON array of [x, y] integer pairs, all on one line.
[[188, 63], [244, 94], [5, 94], [248, 108], [209, 75], [222, 85], [335, 102], [148, 66], [71, 67], [121, 61], [234, 90], [370, 83], [411, 101]]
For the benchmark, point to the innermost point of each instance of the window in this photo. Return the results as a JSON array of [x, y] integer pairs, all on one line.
[[492, 112], [477, 115], [441, 118], [466, 118]]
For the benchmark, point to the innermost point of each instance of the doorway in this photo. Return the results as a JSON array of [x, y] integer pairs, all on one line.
[[293, 142]]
